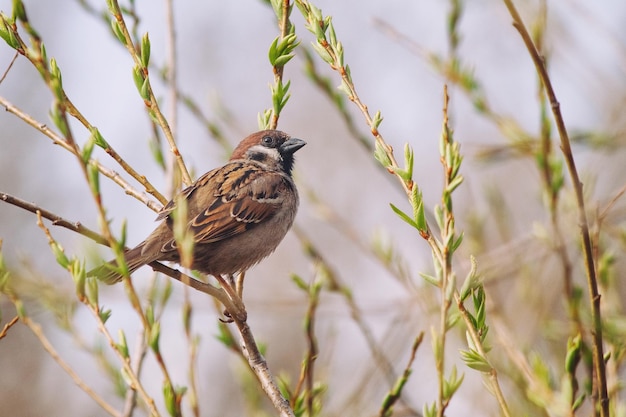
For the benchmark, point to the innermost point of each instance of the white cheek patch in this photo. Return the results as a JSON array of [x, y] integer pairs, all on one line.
[[269, 156]]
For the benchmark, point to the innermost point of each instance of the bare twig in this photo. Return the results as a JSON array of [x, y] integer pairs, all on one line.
[[6, 72], [38, 332], [7, 326], [259, 367], [170, 74], [594, 295]]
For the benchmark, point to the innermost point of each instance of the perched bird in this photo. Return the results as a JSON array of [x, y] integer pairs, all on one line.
[[237, 213]]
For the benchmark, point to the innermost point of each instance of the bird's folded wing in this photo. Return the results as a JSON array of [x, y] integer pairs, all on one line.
[[229, 201]]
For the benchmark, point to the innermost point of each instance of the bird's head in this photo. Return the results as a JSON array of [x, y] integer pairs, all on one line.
[[272, 148]]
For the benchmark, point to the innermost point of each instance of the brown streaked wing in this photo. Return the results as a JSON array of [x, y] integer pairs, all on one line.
[[254, 199], [187, 193]]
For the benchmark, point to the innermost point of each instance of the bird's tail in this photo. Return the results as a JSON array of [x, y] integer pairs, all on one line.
[[109, 274]]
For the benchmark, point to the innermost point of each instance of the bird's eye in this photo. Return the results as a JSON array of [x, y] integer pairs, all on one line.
[[267, 141]]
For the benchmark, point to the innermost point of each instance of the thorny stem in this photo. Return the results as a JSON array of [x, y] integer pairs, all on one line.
[[592, 283]]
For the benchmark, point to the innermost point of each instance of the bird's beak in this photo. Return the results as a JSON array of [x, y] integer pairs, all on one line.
[[291, 146]]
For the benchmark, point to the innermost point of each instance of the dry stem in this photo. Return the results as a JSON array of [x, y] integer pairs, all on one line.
[[594, 295]]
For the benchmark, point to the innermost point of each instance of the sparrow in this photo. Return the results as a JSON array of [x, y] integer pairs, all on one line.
[[237, 213]]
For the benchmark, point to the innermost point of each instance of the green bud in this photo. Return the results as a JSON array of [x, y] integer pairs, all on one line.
[[339, 53], [94, 178], [454, 184], [273, 52], [43, 53], [471, 281], [430, 279], [150, 315], [111, 6], [138, 77], [98, 138], [380, 153], [417, 203], [376, 121], [145, 89], [408, 160], [57, 79], [155, 335], [19, 12], [170, 398], [264, 119], [117, 31], [92, 291], [322, 52], [87, 150], [6, 32], [145, 50], [122, 346], [332, 36], [572, 358], [104, 315], [430, 411], [282, 60], [452, 384], [474, 360], [79, 278], [299, 282], [59, 254]]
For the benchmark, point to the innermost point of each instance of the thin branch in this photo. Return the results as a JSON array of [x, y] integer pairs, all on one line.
[[170, 76], [96, 237], [7, 326], [592, 283], [55, 219], [226, 295], [141, 348], [38, 332], [492, 373], [134, 379], [259, 367], [395, 394], [6, 72], [152, 103], [58, 140]]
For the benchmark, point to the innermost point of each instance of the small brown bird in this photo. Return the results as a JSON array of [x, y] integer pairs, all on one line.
[[237, 214]]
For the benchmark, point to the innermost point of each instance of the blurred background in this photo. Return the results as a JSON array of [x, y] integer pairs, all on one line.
[[393, 48]]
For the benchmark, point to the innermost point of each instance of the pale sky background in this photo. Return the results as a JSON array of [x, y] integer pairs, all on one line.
[[223, 59]]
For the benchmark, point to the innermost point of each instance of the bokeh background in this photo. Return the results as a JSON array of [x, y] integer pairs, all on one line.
[[223, 66]]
